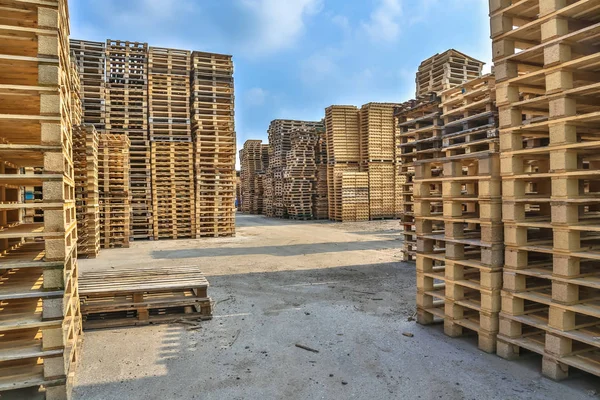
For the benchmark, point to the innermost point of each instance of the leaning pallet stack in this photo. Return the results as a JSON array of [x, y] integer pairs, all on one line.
[[320, 203], [85, 160], [546, 59], [113, 187], [40, 323], [343, 155], [214, 143], [90, 58], [378, 157], [446, 70], [172, 153], [418, 137], [127, 114], [458, 218], [300, 173]]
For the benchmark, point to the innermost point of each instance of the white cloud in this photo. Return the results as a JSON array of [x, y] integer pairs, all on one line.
[[280, 23], [256, 96], [384, 23]]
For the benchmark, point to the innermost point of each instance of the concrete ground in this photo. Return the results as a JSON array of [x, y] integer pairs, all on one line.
[[337, 288]]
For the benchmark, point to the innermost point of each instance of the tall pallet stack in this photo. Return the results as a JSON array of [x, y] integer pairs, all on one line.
[[418, 138], [40, 322], [251, 164], [258, 200], [127, 114], [85, 163], [546, 60], [213, 134], [279, 134], [90, 60], [300, 173], [378, 157], [320, 202], [458, 208], [446, 70], [113, 188], [172, 153], [353, 192], [343, 156]]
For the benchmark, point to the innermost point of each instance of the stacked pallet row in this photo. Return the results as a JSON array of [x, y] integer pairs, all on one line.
[[213, 133], [113, 188], [300, 173], [251, 164], [85, 160], [90, 58], [127, 114], [446, 70], [343, 157], [172, 152], [40, 322], [546, 58], [378, 157], [458, 210], [418, 137], [279, 135], [260, 181], [320, 203]]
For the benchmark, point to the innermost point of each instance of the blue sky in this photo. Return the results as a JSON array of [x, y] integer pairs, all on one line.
[[293, 58]]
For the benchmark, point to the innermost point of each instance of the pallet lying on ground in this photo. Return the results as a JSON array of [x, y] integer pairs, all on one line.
[[546, 61], [141, 296]]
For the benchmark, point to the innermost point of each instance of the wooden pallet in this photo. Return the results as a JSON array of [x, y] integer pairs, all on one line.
[[446, 70], [320, 200], [173, 190], [214, 140], [299, 174], [40, 323], [113, 187], [546, 93], [90, 58], [418, 137], [85, 161], [127, 114], [141, 296], [251, 163]]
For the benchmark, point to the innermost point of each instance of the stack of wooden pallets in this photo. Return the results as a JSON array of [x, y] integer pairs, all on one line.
[[173, 190], [446, 70], [214, 143], [299, 174], [343, 155], [279, 134], [113, 187], [458, 212], [141, 296], [127, 114], [40, 322], [168, 95], [258, 200], [418, 137], [320, 203], [90, 58], [172, 153], [85, 163], [353, 188], [378, 157], [547, 62], [251, 164]]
